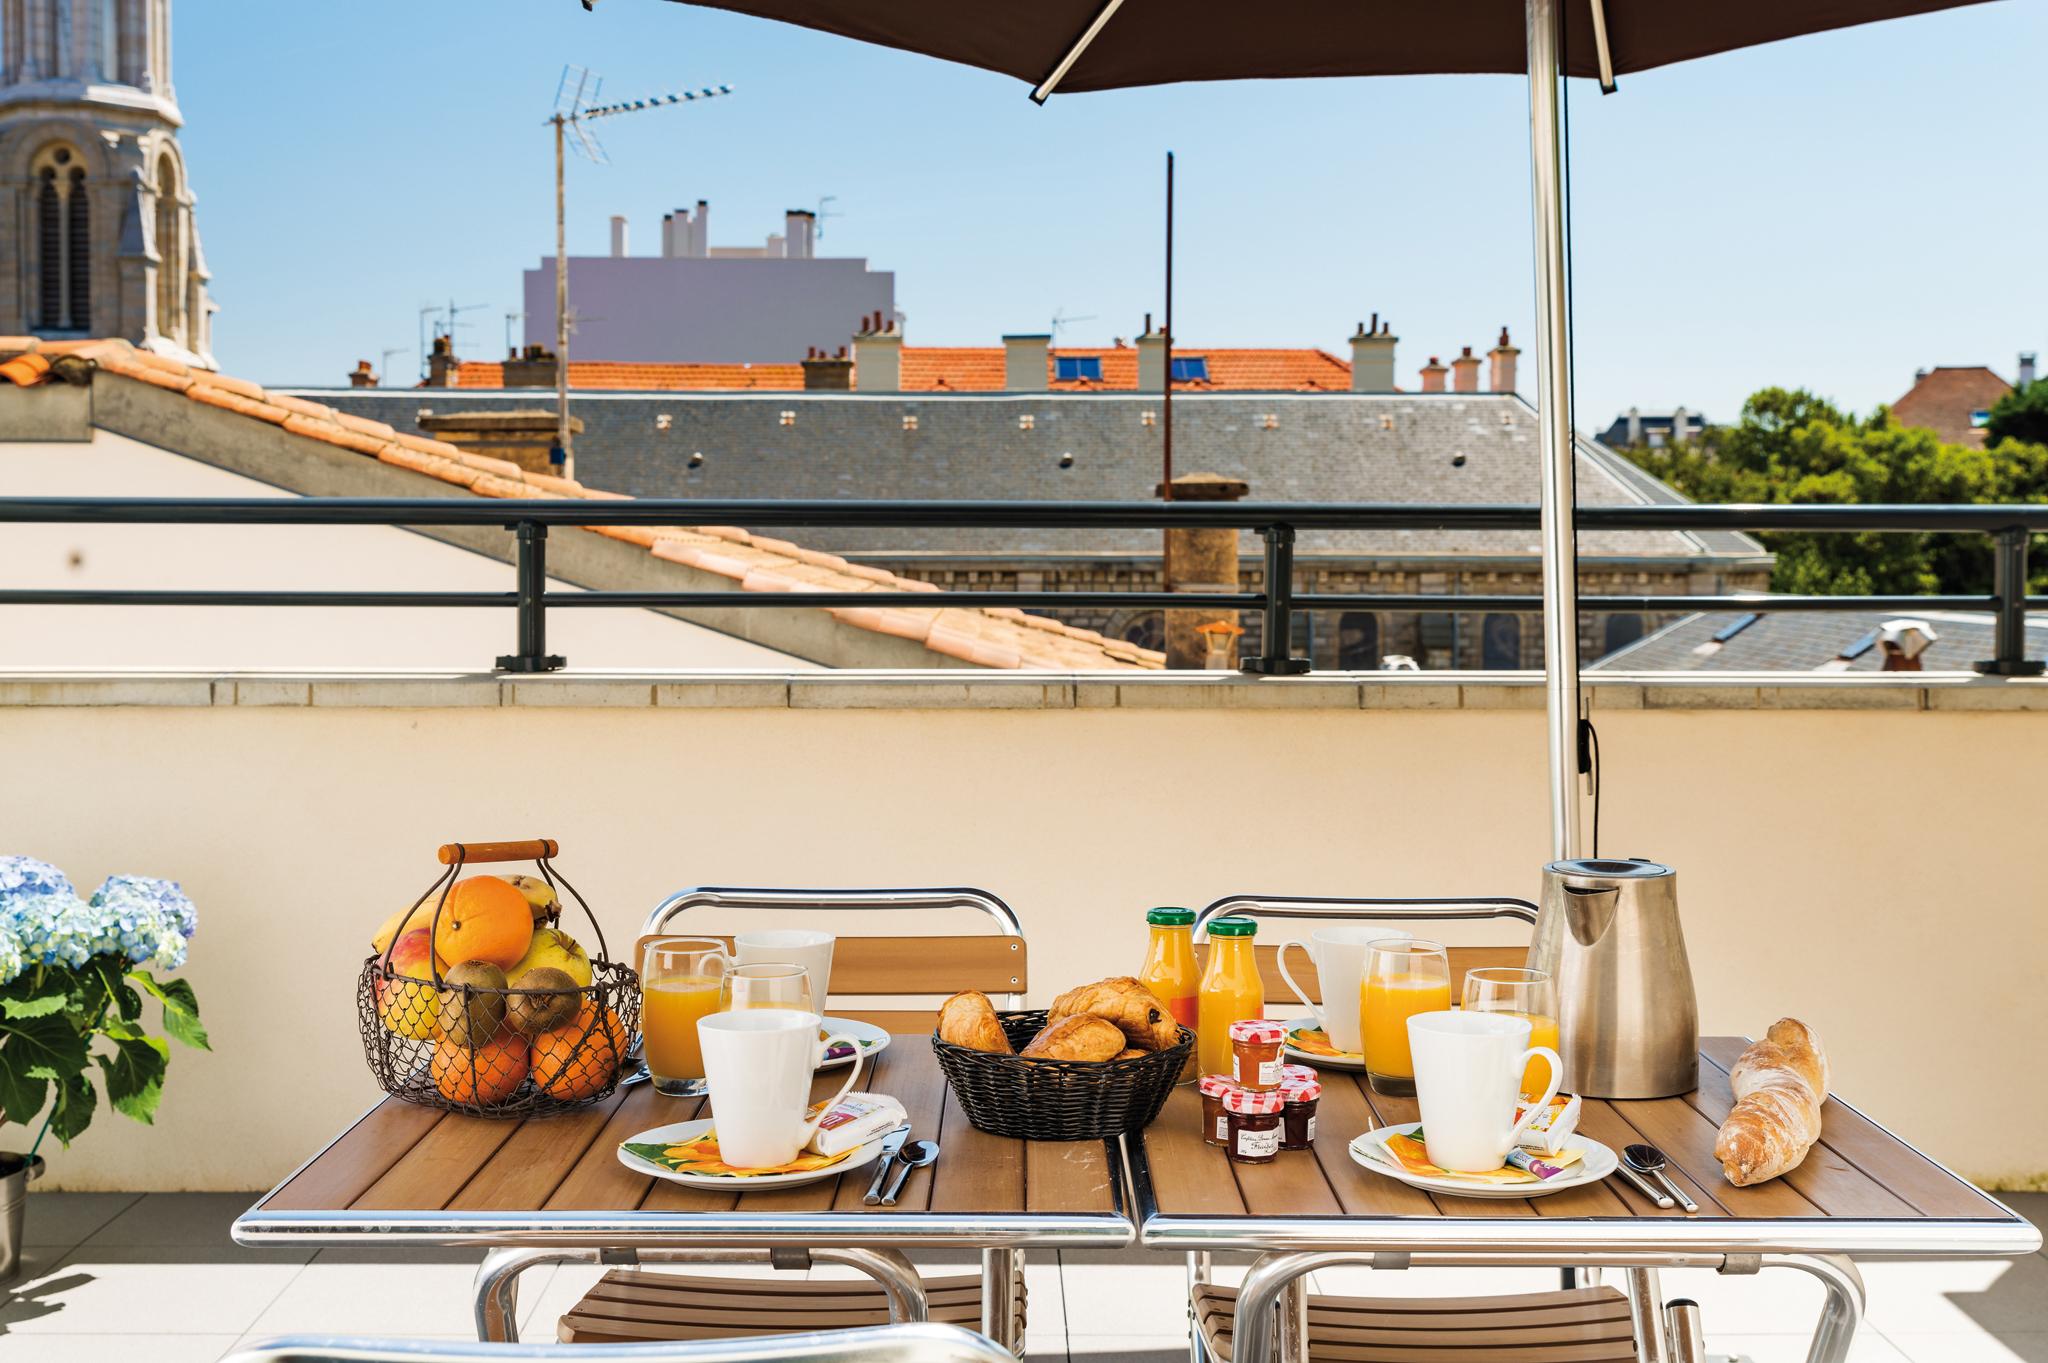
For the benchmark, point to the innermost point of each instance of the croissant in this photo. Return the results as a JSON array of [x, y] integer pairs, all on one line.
[[970, 1020], [1080, 1037], [1780, 1084], [1133, 1008]]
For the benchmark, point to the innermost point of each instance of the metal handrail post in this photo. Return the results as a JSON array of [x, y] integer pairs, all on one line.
[[1276, 654], [2009, 585], [531, 605]]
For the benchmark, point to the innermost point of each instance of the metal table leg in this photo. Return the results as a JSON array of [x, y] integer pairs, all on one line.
[[1646, 1313], [999, 1269], [497, 1287], [1265, 1286], [1843, 1310]]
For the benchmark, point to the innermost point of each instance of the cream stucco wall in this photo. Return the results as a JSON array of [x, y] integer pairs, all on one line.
[[277, 558], [1873, 871]]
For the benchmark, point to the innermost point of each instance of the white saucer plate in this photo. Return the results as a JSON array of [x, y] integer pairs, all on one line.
[[1595, 1164], [1346, 1061], [871, 1039], [677, 1132]]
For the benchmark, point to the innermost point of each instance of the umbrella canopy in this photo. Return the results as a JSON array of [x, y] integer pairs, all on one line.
[[1152, 42]]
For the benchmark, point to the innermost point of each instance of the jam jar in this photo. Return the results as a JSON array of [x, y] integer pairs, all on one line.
[[1214, 1128], [1252, 1124], [1298, 1074], [1298, 1099], [1255, 1049]]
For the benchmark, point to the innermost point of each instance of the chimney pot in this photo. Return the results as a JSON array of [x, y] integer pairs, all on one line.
[[362, 376], [1433, 376], [1372, 358], [878, 358], [1465, 372], [1501, 365], [2026, 374], [619, 247]]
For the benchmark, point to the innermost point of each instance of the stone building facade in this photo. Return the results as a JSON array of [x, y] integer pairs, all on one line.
[[97, 237]]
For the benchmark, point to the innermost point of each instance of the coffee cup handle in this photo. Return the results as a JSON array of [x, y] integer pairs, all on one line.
[[1530, 1113], [1281, 960], [810, 1125]]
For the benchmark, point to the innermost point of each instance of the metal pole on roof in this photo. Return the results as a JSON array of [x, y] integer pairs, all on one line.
[[561, 306], [1554, 428]]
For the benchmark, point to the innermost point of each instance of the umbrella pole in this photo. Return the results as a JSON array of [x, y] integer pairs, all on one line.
[[1554, 426]]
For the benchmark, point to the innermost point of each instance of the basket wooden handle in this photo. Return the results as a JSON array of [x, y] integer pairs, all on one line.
[[532, 849]]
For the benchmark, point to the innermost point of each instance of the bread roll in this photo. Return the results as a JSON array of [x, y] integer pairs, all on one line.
[[1080, 1037], [1780, 1084], [1124, 1002], [970, 1020]]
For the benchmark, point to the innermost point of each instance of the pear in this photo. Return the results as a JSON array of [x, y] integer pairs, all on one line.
[[545, 998], [474, 1015], [540, 896], [554, 947]]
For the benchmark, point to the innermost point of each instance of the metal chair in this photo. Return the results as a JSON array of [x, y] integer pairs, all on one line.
[[629, 1304], [1582, 1324], [884, 1344]]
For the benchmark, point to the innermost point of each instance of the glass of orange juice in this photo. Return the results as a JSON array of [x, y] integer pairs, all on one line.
[[765, 986], [679, 980], [1530, 994], [1403, 976]]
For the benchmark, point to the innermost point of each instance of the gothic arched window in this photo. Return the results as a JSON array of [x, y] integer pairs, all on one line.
[[63, 234], [1500, 643], [1358, 641], [170, 251]]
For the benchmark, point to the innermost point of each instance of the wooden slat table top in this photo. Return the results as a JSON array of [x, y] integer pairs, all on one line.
[[1857, 1172], [403, 1158]]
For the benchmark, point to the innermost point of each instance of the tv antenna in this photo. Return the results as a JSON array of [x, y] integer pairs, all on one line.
[[511, 346], [384, 358], [576, 105], [1061, 317], [824, 213], [450, 318]]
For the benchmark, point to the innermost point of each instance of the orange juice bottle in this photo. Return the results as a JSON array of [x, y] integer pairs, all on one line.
[[1169, 970], [1231, 990], [669, 1009]]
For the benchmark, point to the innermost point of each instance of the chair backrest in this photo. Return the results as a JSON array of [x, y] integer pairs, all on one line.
[[1403, 912], [927, 1343], [926, 969]]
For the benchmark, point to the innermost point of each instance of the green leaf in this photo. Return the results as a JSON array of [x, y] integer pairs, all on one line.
[[113, 975], [34, 1051], [21, 1097], [181, 1009], [76, 1100], [36, 993], [135, 1075]]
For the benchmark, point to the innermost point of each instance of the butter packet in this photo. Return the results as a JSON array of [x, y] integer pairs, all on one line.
[[855, 1120], [1553, 1126]]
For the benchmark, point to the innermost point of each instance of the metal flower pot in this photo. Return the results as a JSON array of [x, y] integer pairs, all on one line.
[[16, 1172]]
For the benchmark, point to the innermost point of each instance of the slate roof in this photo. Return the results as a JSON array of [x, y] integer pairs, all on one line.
[[1943, 398], [960, 369], [1459, 448], [1808, 641], [998, 638]]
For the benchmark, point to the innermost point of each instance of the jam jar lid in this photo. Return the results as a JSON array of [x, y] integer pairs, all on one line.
[[1250, 1102], [1216, 1085], [1301, 1090], [1258, 1031], [1298, 1074]]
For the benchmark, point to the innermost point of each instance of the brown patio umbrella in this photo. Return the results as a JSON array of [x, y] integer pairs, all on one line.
[[1078, 45]]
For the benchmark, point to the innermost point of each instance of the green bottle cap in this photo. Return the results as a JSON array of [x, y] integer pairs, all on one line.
[[1170, 918], [1233, 927]]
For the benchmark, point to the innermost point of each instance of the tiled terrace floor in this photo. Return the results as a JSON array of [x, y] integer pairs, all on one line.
[[103, 1269]]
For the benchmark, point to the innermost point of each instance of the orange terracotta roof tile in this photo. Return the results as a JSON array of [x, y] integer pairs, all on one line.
[[1945, 398], [959, 369], [988, 638]]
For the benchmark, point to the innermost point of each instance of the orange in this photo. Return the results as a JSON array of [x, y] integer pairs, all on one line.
[[577, 1059], [484, 920], [489, 1074]]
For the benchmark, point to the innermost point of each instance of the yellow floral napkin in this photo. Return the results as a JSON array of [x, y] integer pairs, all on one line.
[[699, 1156]]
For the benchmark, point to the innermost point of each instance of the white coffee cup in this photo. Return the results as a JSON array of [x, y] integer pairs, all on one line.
[[1339, 952], [1468, 1081], [792, 946], [758, 1065]]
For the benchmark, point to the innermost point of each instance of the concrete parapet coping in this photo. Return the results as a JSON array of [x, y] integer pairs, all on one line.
[[929, 690]]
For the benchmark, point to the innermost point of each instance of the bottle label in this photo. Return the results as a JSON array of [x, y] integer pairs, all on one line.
[[1222, 1129], [1186, 1011], [1268, 1076], [1311, 1128], [1258, 1144]]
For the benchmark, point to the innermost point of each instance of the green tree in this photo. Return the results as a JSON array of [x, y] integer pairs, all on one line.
[[2021, 415], [1793, 447]]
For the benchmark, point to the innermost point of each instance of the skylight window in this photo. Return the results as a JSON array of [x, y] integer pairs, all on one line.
[[1190, 369], [1072, 368], [1980, 418]]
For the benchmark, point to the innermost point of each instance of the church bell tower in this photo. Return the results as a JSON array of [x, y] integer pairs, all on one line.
[[96, 228]]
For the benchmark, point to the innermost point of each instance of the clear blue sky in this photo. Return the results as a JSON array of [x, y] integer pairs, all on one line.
[[1831, 212]]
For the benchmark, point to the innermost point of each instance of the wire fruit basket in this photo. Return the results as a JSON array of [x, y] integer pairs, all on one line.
[[520, 1022], [1058, 1100]]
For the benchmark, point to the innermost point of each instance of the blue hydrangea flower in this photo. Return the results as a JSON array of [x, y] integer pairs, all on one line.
[[143, 919], [11, 964], [27, 876]]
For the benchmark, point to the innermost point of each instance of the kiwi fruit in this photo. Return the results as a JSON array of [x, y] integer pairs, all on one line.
[[472, 1011], [546, 998]]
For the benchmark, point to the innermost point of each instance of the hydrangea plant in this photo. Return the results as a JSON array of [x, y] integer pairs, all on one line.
[[73, 973]]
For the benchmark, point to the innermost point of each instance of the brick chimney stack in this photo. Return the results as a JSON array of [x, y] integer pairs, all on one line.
[[825, 373], [878, 355], [1151, 358], [1026, 361], [2026, 369], [1200, 560], [441, 363], [1372, 357], [1501, 365], [1465, 372], [1433, 376], [362, 376]]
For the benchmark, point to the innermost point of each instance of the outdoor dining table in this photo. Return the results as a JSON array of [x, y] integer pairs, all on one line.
[[552, 1190], [1861, 1193]]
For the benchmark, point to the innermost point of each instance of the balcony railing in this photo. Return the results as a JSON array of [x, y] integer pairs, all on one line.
[[1277, 524]]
